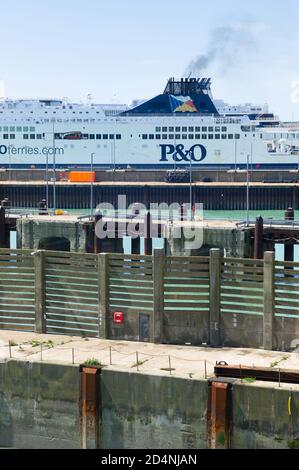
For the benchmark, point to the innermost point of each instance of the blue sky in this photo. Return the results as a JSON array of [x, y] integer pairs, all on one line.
[[123, 49]]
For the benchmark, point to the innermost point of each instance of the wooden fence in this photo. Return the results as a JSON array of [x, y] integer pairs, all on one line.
[[179, 300]]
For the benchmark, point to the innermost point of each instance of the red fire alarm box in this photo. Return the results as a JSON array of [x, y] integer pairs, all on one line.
[[118, 318]]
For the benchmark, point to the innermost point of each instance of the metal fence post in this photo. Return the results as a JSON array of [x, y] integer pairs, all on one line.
[[215, 285], [103, 277], [269, 296], [39, 285], [158, 296]]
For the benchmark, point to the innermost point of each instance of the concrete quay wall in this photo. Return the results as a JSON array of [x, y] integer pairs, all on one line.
[[40, 408]]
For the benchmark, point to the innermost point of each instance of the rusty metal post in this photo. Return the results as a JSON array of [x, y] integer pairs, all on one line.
[[289, 214], [219, 415], [148, 242], [135, 246], [97, 241], [289, 247], [258, 238], [183, 215], [90, 411], [2, 228]]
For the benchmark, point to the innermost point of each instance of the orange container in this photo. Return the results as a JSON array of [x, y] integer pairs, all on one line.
[[82, 176]]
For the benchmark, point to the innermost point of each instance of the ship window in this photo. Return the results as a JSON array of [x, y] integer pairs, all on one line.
[[32, 129], [158, 129], [223, 136], [171, 136], [12, 129], [144, 136], [261, 136], [197, 136], [237, 136], [98, 136], [197, 129], [184, 136], [164, 129], [184, 129], [25, 136], [25, 129], [191, 129], [12, 136], [204, 129], [211, 136], [38, 136], [91, 136], [105, 136], [151, 136], [224, 129], [217, 136], [204, 136], [111, 136], [177, 129], [5, 129], [32, 136], [57, 136], [118, 136], [230, 136], [158, 136], [177, 136], [5, 136], [19, 129], [217, 129], [211, 129], [84, 136], [190, 136], [171, 129]]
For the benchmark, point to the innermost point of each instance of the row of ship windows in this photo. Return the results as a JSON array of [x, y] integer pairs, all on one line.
[[189, 136], [17, 129], [60, 136], [191, 129], [54, 112]]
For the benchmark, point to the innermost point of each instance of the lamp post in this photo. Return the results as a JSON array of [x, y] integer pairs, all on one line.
[[190, 186], [54, 172], [247, 191], [91, 183]]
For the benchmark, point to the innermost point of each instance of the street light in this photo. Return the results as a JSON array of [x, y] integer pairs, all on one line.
[[247, 191], [190, 186], [54, 171], [91, 183]]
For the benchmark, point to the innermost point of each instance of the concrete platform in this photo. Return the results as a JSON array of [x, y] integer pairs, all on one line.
[[186, 361]]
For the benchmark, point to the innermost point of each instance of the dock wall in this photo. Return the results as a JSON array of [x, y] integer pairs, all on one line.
[[40, 407], [215, 196]]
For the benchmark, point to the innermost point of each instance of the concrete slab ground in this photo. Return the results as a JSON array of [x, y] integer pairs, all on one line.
[[186, 361]]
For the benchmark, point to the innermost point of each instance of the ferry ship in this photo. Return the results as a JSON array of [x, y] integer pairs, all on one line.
[[180, 127]]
